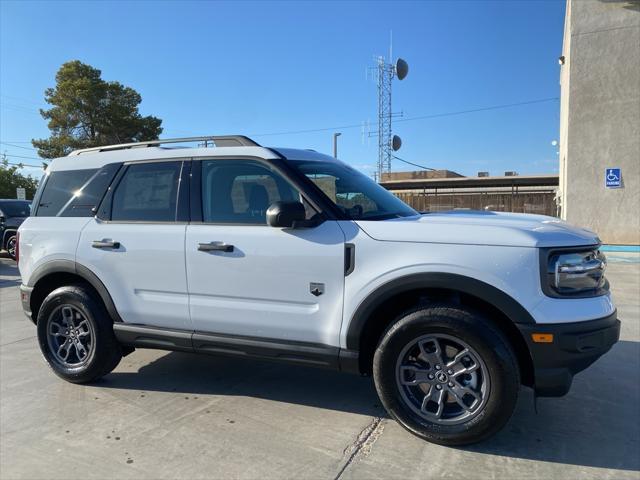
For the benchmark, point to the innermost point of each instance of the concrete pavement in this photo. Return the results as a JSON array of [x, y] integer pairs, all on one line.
[[177, 415]]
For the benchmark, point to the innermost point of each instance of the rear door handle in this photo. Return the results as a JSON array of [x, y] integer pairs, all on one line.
[[215, 246], [105, 244]]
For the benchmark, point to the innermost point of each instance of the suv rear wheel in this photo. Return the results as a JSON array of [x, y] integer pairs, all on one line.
[[76, 337], [446, 374]]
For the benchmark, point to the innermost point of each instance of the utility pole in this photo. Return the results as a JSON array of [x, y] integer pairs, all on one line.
[[335, 144]]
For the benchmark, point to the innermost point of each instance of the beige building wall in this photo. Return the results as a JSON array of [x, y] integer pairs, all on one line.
[[600, 117]]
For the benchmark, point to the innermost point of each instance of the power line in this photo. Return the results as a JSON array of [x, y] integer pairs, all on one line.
[[411, 163], [4, 161], [412, 119], [20, 108], [17, 146], [24, 165], [294, 132], [22, 156], [408, 119], [481, 109], [24, 100]]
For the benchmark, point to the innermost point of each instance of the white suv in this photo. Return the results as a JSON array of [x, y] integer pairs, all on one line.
[[292, 255]]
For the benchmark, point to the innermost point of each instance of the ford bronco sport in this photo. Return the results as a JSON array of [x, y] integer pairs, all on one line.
[[292, 255]]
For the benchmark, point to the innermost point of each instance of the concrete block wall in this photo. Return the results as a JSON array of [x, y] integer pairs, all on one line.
[[600, 117]]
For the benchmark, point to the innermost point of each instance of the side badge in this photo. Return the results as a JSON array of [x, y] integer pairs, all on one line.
[[316, 289]]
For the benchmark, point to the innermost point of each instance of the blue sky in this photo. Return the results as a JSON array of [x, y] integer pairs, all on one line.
[[269, 67]]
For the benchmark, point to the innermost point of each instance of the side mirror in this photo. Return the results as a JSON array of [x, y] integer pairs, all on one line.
[[285, 214]]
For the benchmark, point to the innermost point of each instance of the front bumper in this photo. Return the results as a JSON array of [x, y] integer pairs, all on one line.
[[575, 346]]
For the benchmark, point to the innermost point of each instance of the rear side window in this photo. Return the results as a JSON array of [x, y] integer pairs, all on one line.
[[147, 192], [60, 189]]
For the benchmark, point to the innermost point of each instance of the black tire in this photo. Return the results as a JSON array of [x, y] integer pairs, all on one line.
[[103, 353], [10, 246], [485, 340]]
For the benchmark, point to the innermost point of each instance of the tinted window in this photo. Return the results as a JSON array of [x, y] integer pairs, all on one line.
[[59, 190], [15, 208], [86, 199], [241, 191], [147, 192]]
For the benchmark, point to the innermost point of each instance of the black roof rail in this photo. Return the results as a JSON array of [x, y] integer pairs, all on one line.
[[218, 141]]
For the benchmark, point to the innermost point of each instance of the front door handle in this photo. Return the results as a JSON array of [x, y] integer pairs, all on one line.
[[105, 244], [215, 246]]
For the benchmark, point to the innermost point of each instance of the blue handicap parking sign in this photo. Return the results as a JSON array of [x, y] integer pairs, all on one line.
[[612, 178]]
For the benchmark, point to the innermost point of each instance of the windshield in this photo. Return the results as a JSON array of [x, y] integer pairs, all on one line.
[[15, 208], [357, 195]]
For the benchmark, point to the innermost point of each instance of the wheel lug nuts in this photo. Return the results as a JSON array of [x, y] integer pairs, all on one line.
[[431, 376], [438, 367], [450, 372], [438, 387], [451, 384]]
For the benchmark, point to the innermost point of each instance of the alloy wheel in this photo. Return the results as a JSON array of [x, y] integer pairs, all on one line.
[[70, 336], [11, 247], [442, 379]]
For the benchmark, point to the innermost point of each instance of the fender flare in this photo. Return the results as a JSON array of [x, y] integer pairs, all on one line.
[[449, 281], [69, 266]]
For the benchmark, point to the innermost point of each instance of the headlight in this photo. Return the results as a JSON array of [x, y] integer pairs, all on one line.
[[577, 273]]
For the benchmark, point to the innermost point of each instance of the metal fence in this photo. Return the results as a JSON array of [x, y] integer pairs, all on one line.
[[540, 202]]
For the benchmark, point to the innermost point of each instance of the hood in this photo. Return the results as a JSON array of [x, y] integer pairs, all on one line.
[[481, 228]]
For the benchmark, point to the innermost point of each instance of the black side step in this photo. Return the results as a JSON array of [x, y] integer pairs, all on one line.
[[153, 337], [143, 336]]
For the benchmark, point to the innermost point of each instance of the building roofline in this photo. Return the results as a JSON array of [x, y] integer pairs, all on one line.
[[465, 182]]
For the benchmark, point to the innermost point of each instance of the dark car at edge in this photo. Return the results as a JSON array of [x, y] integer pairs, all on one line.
[[12, 214]]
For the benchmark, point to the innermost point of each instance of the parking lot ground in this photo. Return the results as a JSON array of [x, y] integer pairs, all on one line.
[[177, 415]]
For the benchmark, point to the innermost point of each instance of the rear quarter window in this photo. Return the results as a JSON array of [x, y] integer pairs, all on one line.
[[87, 199], [74, 193]]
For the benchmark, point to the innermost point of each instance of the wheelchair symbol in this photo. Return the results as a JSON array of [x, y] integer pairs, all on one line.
[[612, 178]]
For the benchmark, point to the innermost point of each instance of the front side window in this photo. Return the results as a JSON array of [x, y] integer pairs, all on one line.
[[239, 191], [147, 192], [355, 194]]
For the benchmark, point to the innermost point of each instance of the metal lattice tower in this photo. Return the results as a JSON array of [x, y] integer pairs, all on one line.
[[386, 73]]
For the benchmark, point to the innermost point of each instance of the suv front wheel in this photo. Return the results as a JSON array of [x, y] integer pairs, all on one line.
[[446, 374], [11, 246], [76, 337]]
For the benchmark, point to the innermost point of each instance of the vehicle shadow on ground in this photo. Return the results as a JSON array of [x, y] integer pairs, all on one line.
[[596, 425], [8, 268], [211, 375]]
